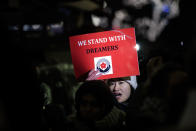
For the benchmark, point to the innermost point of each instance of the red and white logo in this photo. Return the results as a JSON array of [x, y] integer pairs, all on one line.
[[103, 64]]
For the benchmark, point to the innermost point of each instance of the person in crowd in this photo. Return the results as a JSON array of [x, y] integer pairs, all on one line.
[[95, 108], [161, 100], [58, 90], [56, 99], [123, 90]]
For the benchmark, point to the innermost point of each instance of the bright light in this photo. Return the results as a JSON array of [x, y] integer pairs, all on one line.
[[181, 43], [36, 27], [104, 4], [96, 20], [137, 47]]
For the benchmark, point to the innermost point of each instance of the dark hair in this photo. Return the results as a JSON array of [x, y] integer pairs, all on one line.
[[100, 90]]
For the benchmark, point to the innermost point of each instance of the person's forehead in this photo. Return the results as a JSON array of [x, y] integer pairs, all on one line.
[[120, 78], [117, 81]]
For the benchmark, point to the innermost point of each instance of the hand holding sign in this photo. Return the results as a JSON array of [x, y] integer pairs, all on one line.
[[93, 75]]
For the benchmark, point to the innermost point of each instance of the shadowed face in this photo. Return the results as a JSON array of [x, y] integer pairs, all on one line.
[[121, 90], [89, 108]]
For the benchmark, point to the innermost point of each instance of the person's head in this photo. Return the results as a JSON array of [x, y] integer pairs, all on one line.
[[169, 85], [169, 80], [122, 88], [93, 100]]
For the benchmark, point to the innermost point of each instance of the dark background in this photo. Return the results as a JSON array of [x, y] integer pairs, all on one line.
[[27, 51]]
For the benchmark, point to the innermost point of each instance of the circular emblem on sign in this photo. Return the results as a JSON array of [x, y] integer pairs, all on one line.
[[103, 65]]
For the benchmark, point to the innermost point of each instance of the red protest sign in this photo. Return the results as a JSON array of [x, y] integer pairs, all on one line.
[[113, 53]]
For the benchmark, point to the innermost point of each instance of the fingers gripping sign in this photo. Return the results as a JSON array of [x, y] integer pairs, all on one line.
[[93, 75]]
